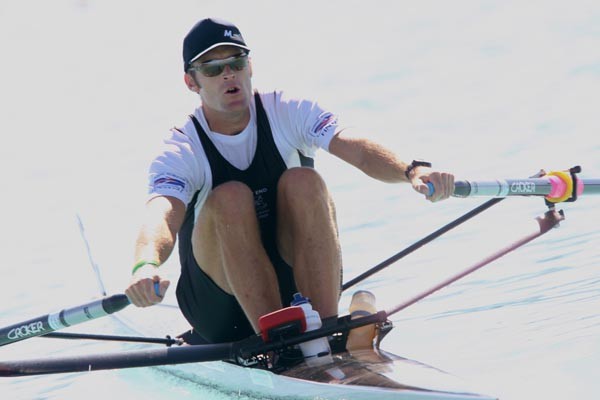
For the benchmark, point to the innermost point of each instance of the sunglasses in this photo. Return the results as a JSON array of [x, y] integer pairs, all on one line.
[[216, 67]]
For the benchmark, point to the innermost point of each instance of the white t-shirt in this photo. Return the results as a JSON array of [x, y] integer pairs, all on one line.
[[181, 167]]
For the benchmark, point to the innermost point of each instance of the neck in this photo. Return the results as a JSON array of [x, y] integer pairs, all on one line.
[[226, 123]]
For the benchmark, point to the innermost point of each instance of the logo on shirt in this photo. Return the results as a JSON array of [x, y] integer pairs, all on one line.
[[324, 124], [260, 203], [169, 182]]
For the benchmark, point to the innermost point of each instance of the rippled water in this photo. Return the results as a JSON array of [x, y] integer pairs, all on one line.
[[483, 89]]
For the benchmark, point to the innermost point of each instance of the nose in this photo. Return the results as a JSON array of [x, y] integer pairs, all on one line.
[[228, 72]]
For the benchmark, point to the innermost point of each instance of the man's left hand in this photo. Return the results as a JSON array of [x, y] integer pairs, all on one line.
[[443, 183]]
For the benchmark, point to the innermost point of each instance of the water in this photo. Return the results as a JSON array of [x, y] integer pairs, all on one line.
[[484, 89]]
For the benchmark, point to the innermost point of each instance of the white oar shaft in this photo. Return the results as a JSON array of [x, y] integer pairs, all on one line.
[[546, 186], [69, 316]]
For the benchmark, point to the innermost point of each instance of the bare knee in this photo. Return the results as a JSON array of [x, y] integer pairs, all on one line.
[[302, 182], [230, 200], [302, 201]]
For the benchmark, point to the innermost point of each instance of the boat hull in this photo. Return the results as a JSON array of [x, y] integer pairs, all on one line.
[[360, 375], [348, 377]]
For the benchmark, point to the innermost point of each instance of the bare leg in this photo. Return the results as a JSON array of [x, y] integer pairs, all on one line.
[[308, 238], [227, 245]]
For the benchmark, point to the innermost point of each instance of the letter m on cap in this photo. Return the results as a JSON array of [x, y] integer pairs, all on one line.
[[228, 33]]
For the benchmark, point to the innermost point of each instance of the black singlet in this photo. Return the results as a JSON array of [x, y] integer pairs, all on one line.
[[214, 314]]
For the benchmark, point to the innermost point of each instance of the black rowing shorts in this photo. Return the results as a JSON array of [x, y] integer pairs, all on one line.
[[214, 314]]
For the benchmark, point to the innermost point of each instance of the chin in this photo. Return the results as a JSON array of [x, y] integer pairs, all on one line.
[[238, 104]]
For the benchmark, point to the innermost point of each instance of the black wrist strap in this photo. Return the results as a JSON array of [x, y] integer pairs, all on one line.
[[414, 164]]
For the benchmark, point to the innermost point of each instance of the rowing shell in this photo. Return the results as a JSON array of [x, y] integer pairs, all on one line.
[[348, 377], [364, 374]]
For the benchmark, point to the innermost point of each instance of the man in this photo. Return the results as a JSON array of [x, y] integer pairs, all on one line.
[[254, 223]]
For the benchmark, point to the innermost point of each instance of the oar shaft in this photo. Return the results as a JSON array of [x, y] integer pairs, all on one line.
[[69, 316], [550, 220], [129, 359], [168, 341], [546, 186], [420, 243]]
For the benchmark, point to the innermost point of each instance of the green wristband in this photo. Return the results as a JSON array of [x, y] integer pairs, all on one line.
[[140, 264]]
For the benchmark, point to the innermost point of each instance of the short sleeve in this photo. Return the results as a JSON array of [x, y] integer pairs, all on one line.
[[306, 124], [174, 171]]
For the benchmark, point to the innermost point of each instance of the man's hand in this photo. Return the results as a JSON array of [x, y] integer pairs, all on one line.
[[142, 291], [443, 183]]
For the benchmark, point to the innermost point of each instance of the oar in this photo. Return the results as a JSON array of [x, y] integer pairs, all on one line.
[[553, 187], [69, 316], [241, 350], [46, 324], [168, 341], [420, 243], [556, 186], [550, 220], [125, 359]]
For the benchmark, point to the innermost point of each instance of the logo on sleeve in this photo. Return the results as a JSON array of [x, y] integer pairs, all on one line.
[[325, 123], [168, 182]]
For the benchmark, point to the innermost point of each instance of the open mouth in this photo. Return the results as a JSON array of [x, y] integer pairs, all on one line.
[[232, 90]]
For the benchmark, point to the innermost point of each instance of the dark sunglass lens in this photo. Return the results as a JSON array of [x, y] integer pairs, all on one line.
[[212, 70], [239, 63]]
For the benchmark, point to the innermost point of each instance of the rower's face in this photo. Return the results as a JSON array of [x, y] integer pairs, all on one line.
[[222, 77]]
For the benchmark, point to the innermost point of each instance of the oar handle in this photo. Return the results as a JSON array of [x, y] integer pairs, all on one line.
[[67, 317], [431, 189]]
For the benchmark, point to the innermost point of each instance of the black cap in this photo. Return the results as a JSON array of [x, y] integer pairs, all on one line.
[[208, 34]]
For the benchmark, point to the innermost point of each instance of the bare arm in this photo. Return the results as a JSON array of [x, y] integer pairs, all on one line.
[[156, 240], [370, 157], [378, 162]]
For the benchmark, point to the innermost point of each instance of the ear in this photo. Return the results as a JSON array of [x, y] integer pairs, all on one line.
[[191, 83]]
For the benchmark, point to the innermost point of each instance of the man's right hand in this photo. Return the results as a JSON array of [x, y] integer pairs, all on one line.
[[142, 292]]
